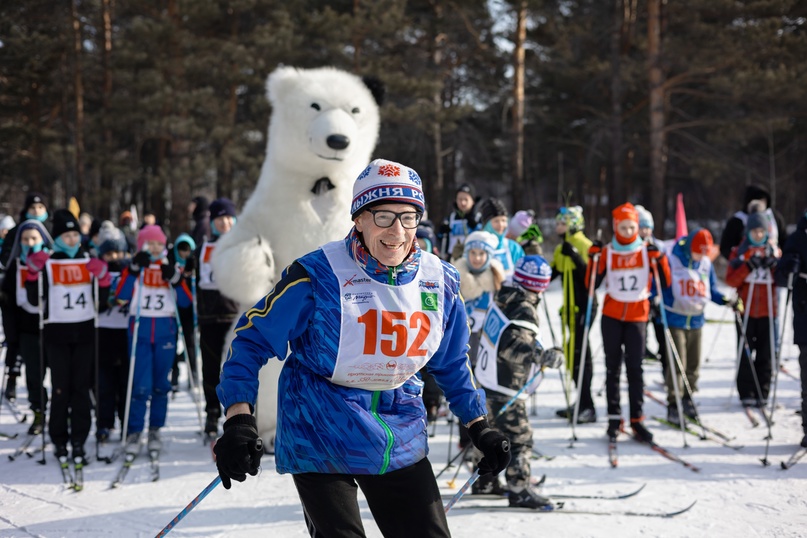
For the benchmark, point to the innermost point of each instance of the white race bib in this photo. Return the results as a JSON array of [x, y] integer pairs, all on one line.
[[22, 294], [117, 316], [206, 281], [627, 275], [156, 298], [690, 287], [387, 333], [70, 298]]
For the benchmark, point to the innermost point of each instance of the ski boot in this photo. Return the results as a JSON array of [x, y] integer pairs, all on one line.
[[586, 416], [79, 456], [60, 451], [672, 415], [689, 408], [154, 441], [132, 445], [38, 424], [615, 427], [640, 433], [804, 441], [527, 498], [11, 388], [212, 426]]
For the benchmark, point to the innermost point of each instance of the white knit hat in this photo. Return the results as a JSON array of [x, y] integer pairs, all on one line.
[[7, 223], [386, 182]]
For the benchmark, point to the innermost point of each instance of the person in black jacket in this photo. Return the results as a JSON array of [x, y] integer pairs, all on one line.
[[21, 318], [35, 208], [216, 312], [69, 333], [201, 219], [794, 262], [734, 232]]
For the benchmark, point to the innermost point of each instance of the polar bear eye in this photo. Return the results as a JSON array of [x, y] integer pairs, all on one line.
[[315, 106], [355, 110]]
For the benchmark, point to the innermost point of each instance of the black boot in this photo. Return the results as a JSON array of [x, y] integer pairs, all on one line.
[[38, 424], [614, 427], [527, 498], [640, 433], [672, 415], [11, 388]]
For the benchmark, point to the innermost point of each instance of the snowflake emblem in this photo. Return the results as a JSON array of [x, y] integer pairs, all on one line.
[[414, 178], [389, 170], [364, 174]]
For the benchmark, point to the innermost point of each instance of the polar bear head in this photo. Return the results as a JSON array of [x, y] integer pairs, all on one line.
[[324, 123]]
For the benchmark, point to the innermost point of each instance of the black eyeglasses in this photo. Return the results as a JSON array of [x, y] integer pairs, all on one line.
[[385, 219]]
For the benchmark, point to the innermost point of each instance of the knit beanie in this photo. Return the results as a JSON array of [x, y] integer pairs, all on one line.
[[490, 208], [64, 221], [520, 222], [532, 273], [573, 217], [34, 198], [701, 241], [387, 182], [645, 217], [222, 207], [483, 241], [467, 189], [150, 233], [113, 245], [756, 220]]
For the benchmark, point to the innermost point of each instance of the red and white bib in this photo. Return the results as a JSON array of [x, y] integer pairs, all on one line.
[[70, 298], [206, 280], [628, 274], [156, 298]]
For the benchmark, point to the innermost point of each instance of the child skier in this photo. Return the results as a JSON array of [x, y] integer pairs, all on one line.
[[569, 262], [459, 223], [510, 334], [69, 333], [216, 312], [494, 220], [693, 284], [21, 318], [750, 270], [627, 265], [152, 308], [182, 255], [113, 341]]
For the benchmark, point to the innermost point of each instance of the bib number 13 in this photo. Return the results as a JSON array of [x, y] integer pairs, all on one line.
[[395, 331]]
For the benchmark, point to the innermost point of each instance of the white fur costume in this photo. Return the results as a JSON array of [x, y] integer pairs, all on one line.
[[322, 133]]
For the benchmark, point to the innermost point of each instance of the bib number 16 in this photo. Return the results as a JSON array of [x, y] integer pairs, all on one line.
[[396, 331]]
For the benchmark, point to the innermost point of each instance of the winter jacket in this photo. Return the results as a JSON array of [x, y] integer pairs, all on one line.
[[325, 427], [151, 328], [737, 274], [704, 269], [577, 265], [508, 252], [212, 306], [632, 310], [478, 290], [795, 254]]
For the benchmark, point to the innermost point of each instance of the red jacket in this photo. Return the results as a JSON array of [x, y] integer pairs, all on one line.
[[736, 275]]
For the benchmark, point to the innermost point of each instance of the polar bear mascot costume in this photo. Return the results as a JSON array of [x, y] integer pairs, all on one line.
[[322, 133]]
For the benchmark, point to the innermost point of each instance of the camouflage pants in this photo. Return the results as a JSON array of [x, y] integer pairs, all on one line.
[[515, 424]]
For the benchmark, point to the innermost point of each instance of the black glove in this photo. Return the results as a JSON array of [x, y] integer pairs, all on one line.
[[140, 260], [768, 262], [239, 450], [790, 264], [493, 444], [754, 262], [568, 250], [190, 264], [170, 273]]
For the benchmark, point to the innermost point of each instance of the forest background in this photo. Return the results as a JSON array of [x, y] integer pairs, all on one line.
[[540, 102]]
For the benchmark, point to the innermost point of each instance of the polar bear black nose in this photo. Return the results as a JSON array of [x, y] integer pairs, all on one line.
[[338, 141]]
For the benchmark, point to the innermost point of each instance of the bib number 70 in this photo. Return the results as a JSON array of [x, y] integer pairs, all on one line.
[[395, 331]]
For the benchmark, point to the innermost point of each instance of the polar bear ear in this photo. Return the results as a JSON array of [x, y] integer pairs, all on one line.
[[280, 82], [377, 88]]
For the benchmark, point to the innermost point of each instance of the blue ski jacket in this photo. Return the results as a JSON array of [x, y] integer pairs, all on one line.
[[323, 427]]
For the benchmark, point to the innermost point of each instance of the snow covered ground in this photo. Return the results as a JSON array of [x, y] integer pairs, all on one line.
[[736, 495]]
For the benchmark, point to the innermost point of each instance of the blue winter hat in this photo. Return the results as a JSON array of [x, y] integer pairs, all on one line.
[[221, 207], [756, 220], [113, 244], [532, 273], [387, 182]]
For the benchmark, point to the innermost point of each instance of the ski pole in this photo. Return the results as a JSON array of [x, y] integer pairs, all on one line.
[[132, 358], [715, 339], [584, 346], [742, 324], [96, 362], [670, 345], [687, 387], [549, 324], [196, 500], [197, 343], [778, 354], [461, 492], [181, 336], [754, 374], [40, 291]]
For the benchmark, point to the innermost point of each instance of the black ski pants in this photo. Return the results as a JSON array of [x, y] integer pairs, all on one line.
[[631, 335], [211, 340], [113, 376], [34, 371], [404, 503], [588, 370], [803, 366], [758, 336], [71, 372]]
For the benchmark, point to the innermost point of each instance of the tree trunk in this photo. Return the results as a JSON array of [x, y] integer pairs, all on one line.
[[78, 86], [618, 180], [518, 104], [437, 190], [657, 115], [104, 209]]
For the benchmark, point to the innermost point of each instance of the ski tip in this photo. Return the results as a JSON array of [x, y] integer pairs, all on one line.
[[672, 514]]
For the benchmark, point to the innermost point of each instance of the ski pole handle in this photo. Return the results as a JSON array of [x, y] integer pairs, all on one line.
[[210, 487]]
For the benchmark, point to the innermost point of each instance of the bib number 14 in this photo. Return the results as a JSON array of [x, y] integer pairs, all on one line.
[[400, 333]]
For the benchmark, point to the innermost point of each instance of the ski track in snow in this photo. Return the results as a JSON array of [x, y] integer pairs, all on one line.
[[736, 494]]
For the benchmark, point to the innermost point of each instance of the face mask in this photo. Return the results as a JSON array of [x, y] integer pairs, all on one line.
[[41, 218], [60, 246], [28, 249]]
